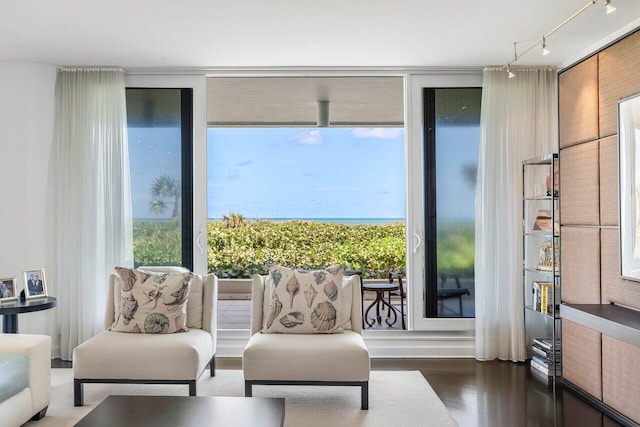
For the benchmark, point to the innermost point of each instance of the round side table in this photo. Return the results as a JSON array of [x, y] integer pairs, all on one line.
[[10, 310], [380, 289]]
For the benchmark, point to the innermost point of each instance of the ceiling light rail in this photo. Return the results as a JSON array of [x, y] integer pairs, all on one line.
[[543, 40]]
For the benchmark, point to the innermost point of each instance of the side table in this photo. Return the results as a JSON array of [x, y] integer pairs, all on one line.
[[380, 289], [10, 310]]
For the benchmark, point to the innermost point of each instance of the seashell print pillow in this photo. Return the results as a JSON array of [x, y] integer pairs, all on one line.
[[304, 301], [152, 303]]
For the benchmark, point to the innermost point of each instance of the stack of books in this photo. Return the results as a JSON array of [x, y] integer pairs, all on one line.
[[543, 297], [542, 360]]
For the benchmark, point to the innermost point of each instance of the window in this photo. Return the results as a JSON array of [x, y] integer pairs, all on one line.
[[160, 145], [303, 197], [452, 133]]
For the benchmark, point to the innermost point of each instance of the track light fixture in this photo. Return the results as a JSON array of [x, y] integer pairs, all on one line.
[[543, 40], [610, 8], [545, 49]]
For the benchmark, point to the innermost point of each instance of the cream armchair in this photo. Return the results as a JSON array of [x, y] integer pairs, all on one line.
[[180, 358], [307, 359], [25, 385]]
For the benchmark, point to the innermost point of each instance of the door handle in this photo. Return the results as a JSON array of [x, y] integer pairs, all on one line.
[[198, 242], [418, 242]]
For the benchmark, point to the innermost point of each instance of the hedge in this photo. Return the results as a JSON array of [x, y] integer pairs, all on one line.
[[240, 249]]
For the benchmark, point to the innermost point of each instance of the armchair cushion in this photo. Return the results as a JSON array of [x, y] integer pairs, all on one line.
[[306, 357], [305, 302], [152, 303], [14, 374], [112, 355]]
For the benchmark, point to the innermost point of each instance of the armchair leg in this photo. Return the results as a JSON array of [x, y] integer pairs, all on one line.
[[212, 366], [192, 387], [40, 415], [248, 389], [364, 391], [78, 393]]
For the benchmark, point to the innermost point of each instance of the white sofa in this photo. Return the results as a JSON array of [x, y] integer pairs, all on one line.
[[179, 358], [307, 359], [32, 401]]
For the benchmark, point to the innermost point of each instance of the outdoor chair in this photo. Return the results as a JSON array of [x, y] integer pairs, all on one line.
[[449, 293]]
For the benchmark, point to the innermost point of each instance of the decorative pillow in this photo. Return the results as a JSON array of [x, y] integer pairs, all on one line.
[[347, 298], [304, 302], [152, 303]]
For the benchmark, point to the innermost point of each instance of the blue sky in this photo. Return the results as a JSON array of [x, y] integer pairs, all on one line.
[[306, 173]]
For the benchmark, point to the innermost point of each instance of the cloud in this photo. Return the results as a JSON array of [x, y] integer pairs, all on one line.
[[308, 137], [379, 133], [244, 163], [234, 173]]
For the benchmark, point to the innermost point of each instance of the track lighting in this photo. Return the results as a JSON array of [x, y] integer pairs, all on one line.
[[610, 8], [545, 49], [543, 40]]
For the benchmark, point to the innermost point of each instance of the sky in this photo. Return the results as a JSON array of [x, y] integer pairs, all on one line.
[[306, 172]]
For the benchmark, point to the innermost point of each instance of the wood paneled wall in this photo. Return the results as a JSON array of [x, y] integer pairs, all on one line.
[[588, 97]]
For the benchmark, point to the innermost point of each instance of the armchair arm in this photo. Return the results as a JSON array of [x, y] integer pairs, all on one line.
[[210, 307], [37, 349]]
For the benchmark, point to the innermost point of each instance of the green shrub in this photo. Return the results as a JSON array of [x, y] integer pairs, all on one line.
[[240, 251]]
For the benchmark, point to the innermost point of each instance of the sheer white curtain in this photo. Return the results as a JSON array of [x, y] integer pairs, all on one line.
[[518, 121], [91, 229]]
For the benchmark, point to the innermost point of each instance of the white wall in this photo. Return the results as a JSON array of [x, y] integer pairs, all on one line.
[[26, 129]]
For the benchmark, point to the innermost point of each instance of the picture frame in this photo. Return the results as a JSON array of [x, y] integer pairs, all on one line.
[[35, 285], [629, 189], [8, 291]]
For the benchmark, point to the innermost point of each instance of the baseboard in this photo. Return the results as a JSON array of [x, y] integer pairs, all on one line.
[[381, 344]]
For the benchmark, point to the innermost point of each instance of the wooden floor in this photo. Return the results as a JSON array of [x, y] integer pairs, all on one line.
[[485, 394], [492, 394]]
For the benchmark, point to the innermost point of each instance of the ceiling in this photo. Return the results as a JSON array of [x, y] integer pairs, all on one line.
[[301, 33], [293, 101]]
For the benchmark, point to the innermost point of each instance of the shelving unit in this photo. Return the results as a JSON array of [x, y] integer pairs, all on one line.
[[540, 265]]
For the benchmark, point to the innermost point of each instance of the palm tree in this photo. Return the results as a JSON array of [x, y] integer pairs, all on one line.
[[234, 220], [166, 189]]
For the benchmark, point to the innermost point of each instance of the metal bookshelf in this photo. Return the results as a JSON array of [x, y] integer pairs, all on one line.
[[540, 265]]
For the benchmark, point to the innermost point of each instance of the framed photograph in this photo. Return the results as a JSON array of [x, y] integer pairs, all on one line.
[[8, 290], [35, 285], [629, 182]]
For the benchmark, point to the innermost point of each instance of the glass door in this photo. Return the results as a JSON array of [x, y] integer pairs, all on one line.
[[442, 160], [167, 140]]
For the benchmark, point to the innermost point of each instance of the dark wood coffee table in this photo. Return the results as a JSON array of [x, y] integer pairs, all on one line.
[[175, 411]]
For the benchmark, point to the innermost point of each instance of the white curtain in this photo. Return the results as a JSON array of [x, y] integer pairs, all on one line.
[[518, 121], [91, 229]]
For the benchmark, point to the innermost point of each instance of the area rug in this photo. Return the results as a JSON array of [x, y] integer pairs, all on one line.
[[396, 398]]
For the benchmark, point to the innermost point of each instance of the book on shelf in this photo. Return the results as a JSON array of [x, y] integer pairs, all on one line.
[[545, 353], [544, 368], [539, 367], [542, 297], [546, 343]]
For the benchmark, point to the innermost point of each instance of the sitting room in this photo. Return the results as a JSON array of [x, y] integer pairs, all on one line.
[[320, 214]]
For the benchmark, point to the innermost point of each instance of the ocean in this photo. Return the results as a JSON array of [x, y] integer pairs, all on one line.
[[351, 221]]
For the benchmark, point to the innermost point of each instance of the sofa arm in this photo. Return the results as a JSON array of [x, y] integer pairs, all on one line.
[[37, 349]]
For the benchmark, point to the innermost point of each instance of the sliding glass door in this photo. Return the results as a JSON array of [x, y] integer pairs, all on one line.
[[443, 132], [165, 117]]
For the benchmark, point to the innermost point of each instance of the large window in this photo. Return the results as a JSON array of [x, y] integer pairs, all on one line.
[[452, 133], [263, 178], [160, 146]]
